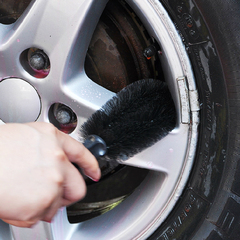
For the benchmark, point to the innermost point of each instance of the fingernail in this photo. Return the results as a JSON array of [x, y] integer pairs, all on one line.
[[95, 176], [95, 180]]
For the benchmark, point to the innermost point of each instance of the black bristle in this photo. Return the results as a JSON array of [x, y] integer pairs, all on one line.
[[137, 117]]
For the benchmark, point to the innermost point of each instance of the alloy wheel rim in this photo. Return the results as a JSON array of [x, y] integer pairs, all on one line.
[[142, 212]]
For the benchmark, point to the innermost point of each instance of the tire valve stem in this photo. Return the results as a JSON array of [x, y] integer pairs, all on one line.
[[151, 51]]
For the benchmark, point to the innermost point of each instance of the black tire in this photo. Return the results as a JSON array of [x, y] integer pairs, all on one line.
[[210, 205]]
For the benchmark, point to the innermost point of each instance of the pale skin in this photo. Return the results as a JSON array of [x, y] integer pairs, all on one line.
[[36, 173]]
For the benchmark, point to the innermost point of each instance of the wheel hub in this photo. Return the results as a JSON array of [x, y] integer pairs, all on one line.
[[20, 101]]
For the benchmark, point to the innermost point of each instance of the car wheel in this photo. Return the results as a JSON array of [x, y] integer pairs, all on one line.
[[69, 58]]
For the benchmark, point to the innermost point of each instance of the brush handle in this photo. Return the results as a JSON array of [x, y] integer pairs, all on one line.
[[95, 145]]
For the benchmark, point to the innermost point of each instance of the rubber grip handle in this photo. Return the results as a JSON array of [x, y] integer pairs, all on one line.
[[96, 145]]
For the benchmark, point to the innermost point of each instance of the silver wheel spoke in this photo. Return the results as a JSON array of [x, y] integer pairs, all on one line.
[[84, 97], [82, 90], [164, 155]]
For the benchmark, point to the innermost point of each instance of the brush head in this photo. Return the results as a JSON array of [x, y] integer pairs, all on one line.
[[137, 117]]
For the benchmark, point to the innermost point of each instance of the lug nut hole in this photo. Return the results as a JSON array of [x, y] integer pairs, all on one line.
[[36, 62], [62, 117]]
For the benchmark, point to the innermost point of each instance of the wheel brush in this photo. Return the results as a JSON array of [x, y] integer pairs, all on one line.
[[134, 119]]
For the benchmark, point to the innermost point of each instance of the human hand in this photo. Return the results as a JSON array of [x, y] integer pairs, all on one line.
[[36, 173]]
